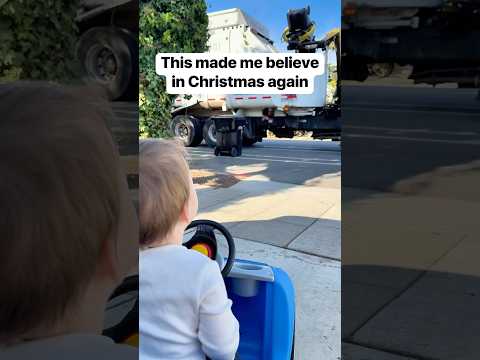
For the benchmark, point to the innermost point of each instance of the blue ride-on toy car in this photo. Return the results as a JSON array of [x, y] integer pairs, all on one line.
[[263, 298]]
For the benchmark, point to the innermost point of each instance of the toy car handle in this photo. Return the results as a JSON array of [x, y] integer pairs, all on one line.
[[231, 244]]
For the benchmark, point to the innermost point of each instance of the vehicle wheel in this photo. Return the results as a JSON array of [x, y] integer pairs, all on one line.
[[209, 133], [381, 70], [216, 151], [109, 57], [248, 141], [234, 152], [187, 129]]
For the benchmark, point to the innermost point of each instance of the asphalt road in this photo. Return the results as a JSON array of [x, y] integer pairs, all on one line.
[[394, 133], [288, 161]]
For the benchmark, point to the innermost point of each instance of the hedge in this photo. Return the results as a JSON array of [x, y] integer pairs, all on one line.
[[165, 26], [37, 40]]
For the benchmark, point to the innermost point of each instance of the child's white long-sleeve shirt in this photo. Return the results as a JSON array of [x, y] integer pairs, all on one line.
[[185, 313]]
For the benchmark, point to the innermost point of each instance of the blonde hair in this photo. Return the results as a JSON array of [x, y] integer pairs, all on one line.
[[164, 187], [59, 199]]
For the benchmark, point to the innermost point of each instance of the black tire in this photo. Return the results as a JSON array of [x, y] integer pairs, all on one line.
[[209, 133], [248, 141], [234, 152], [188, 129], [109, 57], [216, 151]]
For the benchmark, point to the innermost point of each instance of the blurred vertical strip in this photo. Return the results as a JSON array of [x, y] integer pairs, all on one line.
[[107, 53], [411, 160], [89, 48]]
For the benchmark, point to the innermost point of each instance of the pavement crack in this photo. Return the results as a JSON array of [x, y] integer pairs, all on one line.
[[295, 250], [308, 227]]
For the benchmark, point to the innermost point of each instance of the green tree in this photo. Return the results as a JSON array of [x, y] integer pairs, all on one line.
[[177, 26], [37, 39]]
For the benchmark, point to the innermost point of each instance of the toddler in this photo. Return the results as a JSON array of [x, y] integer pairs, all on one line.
[[184, 310]]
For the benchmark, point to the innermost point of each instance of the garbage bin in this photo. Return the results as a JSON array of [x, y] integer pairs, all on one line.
[[229, 136]]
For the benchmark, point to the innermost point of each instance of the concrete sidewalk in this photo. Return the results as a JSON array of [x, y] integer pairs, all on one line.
[[301, 218], [297, 228], [411, 294]]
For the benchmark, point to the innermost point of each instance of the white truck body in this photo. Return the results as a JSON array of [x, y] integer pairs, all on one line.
[[232, 31]]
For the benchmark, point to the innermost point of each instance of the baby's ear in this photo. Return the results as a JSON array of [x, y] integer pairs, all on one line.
[[185, 213], [107, 264]]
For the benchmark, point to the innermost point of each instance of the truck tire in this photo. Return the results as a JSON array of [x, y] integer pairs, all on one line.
[[109, 57], [209, 133], [188, 129]]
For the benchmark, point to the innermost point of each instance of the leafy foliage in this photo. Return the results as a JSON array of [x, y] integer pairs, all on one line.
[[37, 39], [165, 26], [332, 83]]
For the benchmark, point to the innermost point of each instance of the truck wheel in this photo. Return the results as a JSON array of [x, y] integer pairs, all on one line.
[[188, 129], [382, 70], [109, 57], [209, 133]]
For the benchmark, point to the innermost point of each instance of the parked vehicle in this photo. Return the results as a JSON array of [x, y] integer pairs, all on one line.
[[234, 31]]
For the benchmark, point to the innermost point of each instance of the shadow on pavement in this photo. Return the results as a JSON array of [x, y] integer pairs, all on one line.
[[385, 144], [307, 235], [295, 168]]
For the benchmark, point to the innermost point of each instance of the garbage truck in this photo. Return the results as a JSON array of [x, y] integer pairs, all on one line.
[[108, 45], [233, 31]]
